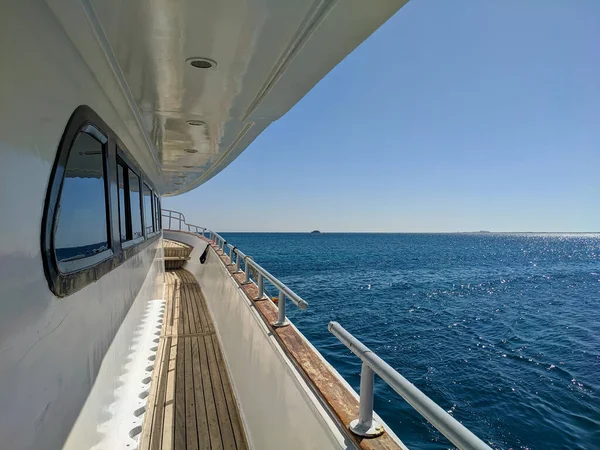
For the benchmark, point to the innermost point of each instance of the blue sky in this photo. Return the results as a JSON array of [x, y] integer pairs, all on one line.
[[453, 116]]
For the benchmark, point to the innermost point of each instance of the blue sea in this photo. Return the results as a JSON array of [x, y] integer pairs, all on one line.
[[501, 330]]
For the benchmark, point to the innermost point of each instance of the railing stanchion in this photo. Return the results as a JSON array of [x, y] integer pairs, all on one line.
[[372, 364], [281, 319], [365, 425], [247, 269], [261, 286], [237, 264]]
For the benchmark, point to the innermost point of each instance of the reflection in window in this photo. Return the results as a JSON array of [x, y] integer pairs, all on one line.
[[121, 179], [135, 202], [156, 214], [148, 216], [81, 227]]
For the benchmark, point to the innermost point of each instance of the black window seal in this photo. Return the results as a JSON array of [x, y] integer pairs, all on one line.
[[64, 284], [144, 185], [140, 178], [126, 201]]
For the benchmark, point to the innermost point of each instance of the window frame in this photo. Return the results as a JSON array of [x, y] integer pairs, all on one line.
[[87, 261], [137, 240], [157, 212], [84, 271], [126, 201], [146, 226]]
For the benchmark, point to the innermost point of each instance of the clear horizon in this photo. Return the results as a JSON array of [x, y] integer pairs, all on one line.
[[452, 117], [411, 232]]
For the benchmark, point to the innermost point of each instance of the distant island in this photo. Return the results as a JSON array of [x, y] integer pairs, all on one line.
[[315, 232]]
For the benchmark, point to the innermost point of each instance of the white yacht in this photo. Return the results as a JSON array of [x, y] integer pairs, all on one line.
[[123, 326]]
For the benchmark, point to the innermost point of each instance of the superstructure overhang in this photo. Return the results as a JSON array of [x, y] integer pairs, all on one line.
[[198, 81]]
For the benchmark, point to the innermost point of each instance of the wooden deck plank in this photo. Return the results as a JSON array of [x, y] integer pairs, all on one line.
[[169, 414], [198, 352], [201, 416], [204, 317], [145, 437], [214, 430], [227, 437], [236, 421], [191, 431], [180, 437], [158, 422], [168, 315]]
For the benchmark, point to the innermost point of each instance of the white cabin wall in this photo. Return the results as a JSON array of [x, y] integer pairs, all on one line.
[[50, 348]]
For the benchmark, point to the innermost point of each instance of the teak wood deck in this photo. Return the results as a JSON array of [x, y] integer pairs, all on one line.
[[191, 404], [176, 254]]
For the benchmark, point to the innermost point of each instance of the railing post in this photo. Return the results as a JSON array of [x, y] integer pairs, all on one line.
[[365, 425], [237, 264], [169, 220], [247, 269], [261, 286], [281, 319]]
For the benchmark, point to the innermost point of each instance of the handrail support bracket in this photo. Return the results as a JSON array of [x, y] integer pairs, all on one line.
[[365, 425], [282, 321]]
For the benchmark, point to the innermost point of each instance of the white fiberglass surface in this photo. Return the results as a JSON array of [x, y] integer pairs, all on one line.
[[113, 413], [264, 56]]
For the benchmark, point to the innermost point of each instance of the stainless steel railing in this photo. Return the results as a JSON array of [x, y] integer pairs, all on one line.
[[169, 217], [364, 425], [175, 221]]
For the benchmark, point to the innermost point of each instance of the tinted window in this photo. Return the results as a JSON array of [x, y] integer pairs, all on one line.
[[148, 216], [135, 203], [156, 214], [121, 183], [81, 225]]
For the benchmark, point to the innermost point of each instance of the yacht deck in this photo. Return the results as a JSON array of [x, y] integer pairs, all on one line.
[[191, 404]]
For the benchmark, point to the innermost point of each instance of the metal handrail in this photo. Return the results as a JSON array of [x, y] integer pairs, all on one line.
[[236, 256], [171, 215], [457, 433]]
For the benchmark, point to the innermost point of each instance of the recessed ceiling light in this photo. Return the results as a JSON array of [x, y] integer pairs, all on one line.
[[182, 175], [188, 167], [201, 63], [191, 150], [177, 182], [195, 123]]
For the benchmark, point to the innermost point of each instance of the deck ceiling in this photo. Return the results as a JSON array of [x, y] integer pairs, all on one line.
[[268, 54]]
